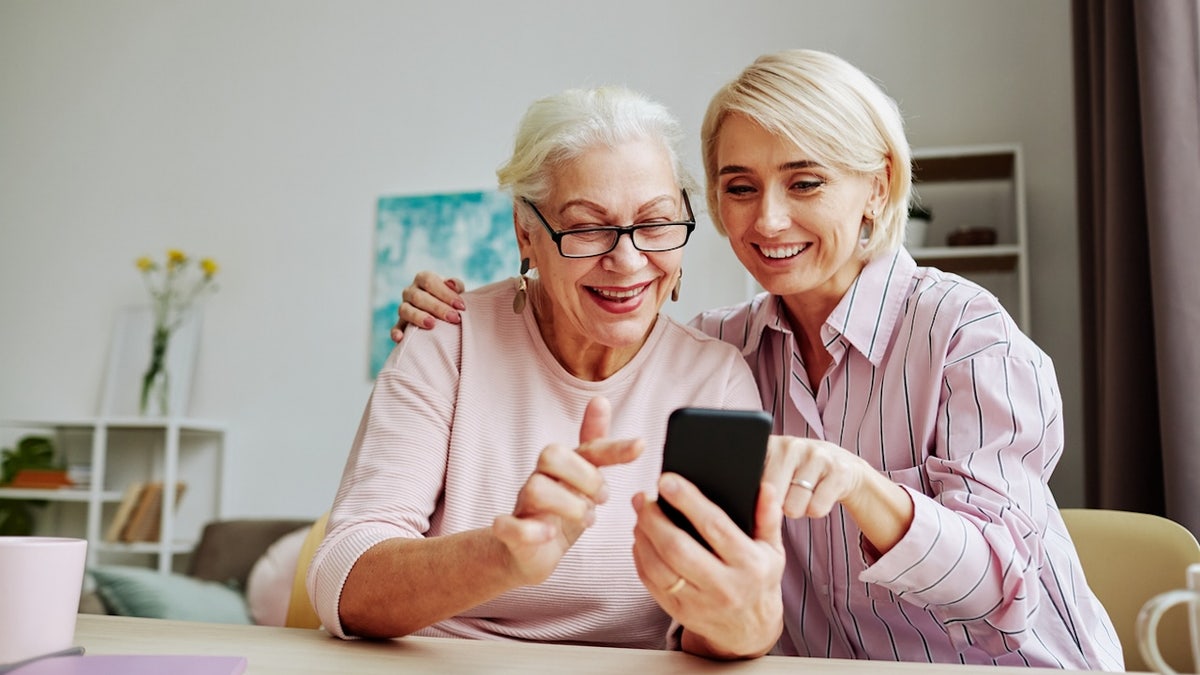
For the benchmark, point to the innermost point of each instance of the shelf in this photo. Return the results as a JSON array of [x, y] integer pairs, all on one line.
[[977, 187], [128, 450], [1001, 258], [57, 495], [964, 164], [120, 422], [158, 444]]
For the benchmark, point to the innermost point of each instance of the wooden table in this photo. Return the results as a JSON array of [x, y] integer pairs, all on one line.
[[293, 650]]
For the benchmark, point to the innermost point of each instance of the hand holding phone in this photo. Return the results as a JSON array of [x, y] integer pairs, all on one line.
[[722, 453]]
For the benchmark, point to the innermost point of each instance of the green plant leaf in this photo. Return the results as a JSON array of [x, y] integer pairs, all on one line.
[[16, 518], [32, 452]]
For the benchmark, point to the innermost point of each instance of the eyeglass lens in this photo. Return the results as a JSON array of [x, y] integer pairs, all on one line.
[[645, 238]]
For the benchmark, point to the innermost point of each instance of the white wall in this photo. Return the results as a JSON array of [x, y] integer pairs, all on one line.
[[262, 132]]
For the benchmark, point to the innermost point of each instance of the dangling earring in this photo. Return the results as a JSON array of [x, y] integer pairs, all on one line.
[[678, 283], [522, 288]]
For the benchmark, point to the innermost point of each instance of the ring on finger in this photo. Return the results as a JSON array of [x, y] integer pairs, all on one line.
[[804, 484], [677, 586]]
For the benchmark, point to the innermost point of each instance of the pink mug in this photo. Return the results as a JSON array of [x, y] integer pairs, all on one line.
[[40, 582]]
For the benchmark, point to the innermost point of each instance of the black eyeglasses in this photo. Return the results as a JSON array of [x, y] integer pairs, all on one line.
[[649, 237]]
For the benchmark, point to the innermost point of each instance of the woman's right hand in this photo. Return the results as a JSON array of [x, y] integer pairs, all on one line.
[[429, 298], [559, 500]]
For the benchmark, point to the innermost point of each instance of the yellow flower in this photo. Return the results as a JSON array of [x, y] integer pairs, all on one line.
[[209, 266], [176, 284], [172, 292]]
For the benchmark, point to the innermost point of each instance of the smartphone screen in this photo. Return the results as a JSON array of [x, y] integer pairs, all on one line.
[[722, 452]]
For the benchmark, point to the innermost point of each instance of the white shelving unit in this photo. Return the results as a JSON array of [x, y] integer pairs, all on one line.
[[167, 437], [123, 446], [977, 186]]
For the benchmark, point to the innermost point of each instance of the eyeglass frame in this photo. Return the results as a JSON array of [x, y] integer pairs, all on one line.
[[558, 236]]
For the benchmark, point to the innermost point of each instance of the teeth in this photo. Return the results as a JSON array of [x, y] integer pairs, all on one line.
[[618, 295], [782, 251]]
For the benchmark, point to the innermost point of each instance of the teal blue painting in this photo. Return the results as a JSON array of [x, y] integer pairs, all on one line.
[[468, 235]]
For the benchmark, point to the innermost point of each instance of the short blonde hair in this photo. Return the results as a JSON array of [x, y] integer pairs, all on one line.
[[830, 108], [558, 129]]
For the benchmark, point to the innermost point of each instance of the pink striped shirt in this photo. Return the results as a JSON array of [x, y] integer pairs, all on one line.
[[452, 431], [933, 384]]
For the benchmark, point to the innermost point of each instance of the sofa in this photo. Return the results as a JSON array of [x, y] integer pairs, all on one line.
[[218, 576]]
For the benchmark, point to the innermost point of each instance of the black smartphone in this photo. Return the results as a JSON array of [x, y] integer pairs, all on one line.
[[722, 452]]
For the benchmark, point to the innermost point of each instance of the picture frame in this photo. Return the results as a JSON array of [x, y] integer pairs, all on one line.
[[468, 235]]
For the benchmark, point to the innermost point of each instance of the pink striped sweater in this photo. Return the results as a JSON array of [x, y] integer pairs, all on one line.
[[454, 428]]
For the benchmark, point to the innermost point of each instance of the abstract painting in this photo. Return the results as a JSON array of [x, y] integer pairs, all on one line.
[[468, 235]]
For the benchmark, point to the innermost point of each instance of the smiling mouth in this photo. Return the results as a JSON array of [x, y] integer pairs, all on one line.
[[782, 252], [622, 295]]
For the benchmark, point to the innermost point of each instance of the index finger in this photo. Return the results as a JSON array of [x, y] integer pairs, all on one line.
[[606, 452], [782, 459], [597, 417], [578, 469]]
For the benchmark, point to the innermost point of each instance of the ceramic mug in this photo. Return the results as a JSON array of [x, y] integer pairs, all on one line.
[[1152, 611], [40, 582]]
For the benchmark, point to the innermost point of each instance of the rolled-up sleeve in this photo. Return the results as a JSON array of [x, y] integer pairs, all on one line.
[[973, 554], [395, 473]]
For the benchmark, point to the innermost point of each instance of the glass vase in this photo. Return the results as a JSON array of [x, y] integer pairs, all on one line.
[[155, 399]]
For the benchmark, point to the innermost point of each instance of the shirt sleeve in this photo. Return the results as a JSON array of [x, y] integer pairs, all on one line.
[[730, 324], [974, 553], [742, 392], [395, 472]]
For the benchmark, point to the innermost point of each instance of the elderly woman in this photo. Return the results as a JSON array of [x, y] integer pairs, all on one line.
[[465, 510], [917, 425]]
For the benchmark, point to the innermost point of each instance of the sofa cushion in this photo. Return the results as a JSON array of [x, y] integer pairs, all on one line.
[[228, 549], [140, 591], [269, 587]]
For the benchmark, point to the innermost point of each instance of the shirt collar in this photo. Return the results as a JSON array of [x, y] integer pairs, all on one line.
[[865, 316], [766, 312]]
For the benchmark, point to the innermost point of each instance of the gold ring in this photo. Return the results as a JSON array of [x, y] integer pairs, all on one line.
[[677, 586], [804, 484]]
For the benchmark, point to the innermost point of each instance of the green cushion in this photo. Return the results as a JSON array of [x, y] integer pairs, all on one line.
[[140, 591]]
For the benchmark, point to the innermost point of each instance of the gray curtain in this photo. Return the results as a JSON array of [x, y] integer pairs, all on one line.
[[1137, 99]]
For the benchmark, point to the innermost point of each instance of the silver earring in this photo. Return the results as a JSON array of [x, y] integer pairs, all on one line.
[[522, 288], [678, 283]]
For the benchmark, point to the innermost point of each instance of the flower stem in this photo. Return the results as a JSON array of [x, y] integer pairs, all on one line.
[[158, 353]]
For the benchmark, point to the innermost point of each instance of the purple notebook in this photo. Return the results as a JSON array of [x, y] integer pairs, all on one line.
[[136, 664]]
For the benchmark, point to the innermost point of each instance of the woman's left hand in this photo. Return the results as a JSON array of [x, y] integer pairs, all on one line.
[[728, 600], [814, 476]]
